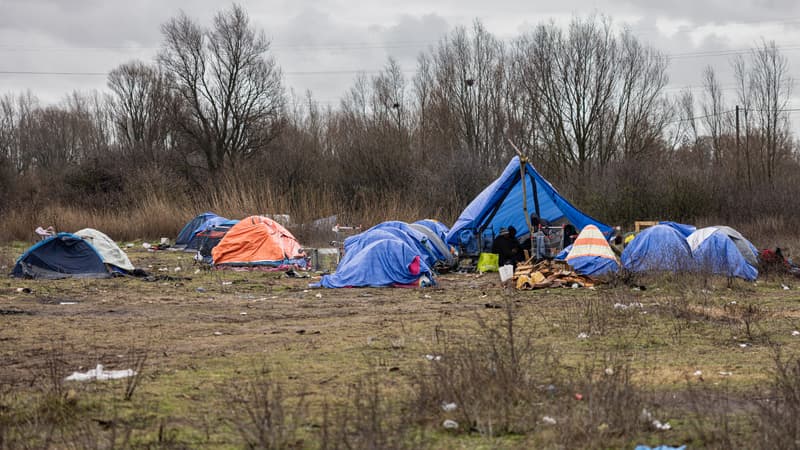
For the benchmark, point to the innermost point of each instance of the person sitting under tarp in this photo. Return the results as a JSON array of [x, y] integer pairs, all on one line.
[[508, 247]]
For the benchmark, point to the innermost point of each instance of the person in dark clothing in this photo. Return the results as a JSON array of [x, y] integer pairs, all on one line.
[[508, 247]]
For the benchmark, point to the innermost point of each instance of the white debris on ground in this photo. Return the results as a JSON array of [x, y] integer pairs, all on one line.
[[450, 424], [657, 424], [631, 305], [447, 407], [583, 336], [99, 374], [548, 420], [430, 357], [795, 333]]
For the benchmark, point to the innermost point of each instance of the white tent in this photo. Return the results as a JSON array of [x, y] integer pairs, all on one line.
[[109, 251]]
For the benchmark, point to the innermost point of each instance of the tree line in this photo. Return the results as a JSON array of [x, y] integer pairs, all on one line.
[[588, 103]]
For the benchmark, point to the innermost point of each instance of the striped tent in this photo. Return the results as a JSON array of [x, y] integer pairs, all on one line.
[[591, 255]]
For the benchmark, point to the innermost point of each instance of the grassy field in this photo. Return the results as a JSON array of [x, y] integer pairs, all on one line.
[[259, 360]]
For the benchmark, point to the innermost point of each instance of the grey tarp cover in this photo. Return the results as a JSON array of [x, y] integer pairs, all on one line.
[[108, 249]]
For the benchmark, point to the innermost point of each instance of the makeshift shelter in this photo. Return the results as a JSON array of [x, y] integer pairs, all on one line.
[[109, 251], [199, 235], [384, 260], [591, 255], [258, 242], [411, 236], [437, 227], [500, 205], [445, 256], [193, 226], [64, 255], [210, 238], [660, 248], [682, 228], [723, 251]]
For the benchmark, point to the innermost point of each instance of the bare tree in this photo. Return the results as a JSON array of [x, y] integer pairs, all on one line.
[[772, 88], [744, 92], [713, 106], [141, 107], [230, 91]]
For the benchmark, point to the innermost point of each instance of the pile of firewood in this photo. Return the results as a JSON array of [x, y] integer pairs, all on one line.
[[548, 274]]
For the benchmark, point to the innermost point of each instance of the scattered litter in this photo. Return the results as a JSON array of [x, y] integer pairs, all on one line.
[[726, 374], [196, 271], [630, 305], [101, 375], [129, 245], [163, 269], [146, 245], [698, 373], [305, 291], [732, 303], [785, 287], [218, 333], [426, 296], [227, 283], [795, 333], [242, 313], [177, 269], [609, 371], [493, 306], [318, 296], [657, 424], [583, 336], [433, 357], [450, 424], [548, 420], [24, 290], [744, 345], [578, 396], [447, 407], [67, 303], [661, 426], [576, 286], [200, 289], [164, 241]]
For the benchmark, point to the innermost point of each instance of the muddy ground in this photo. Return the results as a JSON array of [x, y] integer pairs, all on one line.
[[205, 332]]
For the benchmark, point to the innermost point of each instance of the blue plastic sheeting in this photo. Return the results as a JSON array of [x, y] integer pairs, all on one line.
[[191, 228], [661, 248], [401, 231], [500, 206], [384, 262], [437, 227], [61, 256], [682, 228], [594, 266], [197, 240], [719, 255], [562, 255]]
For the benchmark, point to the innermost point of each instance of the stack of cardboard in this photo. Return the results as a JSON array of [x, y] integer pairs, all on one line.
[[548, 274]]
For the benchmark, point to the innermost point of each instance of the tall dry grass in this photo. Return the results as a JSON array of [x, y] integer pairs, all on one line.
[[160, 213]]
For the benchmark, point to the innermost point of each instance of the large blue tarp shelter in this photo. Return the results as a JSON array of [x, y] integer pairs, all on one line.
[[715, 251], [401, 231], [500, 205], [64, 255], [660, 248], [193, 226], [384, 261]]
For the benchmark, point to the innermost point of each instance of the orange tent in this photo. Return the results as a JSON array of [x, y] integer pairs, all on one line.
[[258, 241]]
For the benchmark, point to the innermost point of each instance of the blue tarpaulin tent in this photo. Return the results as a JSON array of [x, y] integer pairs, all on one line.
[[500, 206], [64, 255], [682, 228], [660, 248], [197, 238], [193, 226], [715, 251], [385, 261], [437, 227], [401, 231]]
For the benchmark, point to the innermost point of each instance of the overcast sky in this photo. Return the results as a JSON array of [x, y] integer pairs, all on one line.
[[321, 45]]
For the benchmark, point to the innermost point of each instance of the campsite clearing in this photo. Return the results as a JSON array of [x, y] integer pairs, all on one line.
[[694, 348]]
